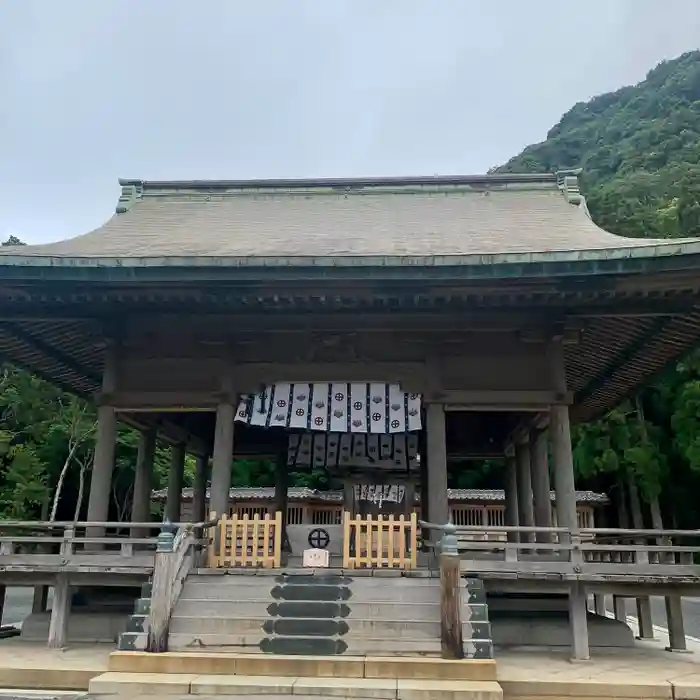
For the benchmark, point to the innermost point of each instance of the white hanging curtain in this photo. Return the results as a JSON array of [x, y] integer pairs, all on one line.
[[346, 451], [338, 407]]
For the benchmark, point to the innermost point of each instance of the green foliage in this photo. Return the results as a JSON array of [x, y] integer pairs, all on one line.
[[639, 148]]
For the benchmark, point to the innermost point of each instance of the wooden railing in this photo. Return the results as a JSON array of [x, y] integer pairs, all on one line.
[[29, 544], [246, 542], [380, 542], [594, 552], [175, 556]]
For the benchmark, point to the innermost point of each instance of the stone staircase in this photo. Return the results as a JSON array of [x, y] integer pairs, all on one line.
[[317, 613]]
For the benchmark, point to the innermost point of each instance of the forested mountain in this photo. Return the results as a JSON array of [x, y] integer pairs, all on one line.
[[639, 148]]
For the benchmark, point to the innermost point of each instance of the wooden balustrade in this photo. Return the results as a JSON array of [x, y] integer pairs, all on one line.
[[619, 552], [383, 541], [246, 542]]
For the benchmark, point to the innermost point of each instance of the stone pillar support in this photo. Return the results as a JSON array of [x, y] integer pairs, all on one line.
[[526, 511], [539, 466], [438, 506], [222, 458], [175, 481], [141, 504]]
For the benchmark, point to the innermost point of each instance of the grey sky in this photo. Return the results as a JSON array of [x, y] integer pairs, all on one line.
[[93, 90]]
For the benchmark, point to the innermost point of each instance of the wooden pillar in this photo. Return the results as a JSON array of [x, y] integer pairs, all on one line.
[[451, 642], [222, 458], [199, 499], [526, 513], [105, 444], [560, 441], [424, 481], [560, 437], [512, 518], [674, 618], [60, 610], [438, 506], [41, 593], [578, 622], [599, 604], [281, 493], [175, 480], [620, 608], [161, 594], [141, 504], [644, 620], [539, 467]]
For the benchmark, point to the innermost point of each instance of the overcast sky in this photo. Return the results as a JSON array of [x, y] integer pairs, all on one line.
[[94, 90]]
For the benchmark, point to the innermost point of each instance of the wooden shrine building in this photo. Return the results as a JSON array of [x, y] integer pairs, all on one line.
[[380, 328]]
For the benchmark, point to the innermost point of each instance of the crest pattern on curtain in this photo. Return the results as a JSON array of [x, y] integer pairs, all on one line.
[[386, 453], [338, 407]]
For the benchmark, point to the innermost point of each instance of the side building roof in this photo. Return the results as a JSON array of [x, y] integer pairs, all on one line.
[[295, 493]]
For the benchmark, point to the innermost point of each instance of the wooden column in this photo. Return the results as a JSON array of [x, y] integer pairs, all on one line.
[[674, 618], [281, 492], [175, 480], [599, 604], [105, 443], [161, 594], [512, 518], [438, 506], [644, 620], [424, 480], [578, 622], [60, 610], [539, 467], [141, 504], [199, 499], [526, 513], [222, 458], [451, 643], [560, 441]]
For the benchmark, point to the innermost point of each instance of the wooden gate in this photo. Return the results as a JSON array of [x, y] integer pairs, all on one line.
[[246, 542], [382, 541]]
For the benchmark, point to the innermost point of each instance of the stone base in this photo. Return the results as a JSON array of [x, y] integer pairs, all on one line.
[[83, 627], [206, 663], [551, 630]]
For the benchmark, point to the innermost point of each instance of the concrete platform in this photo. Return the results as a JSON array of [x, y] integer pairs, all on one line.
[[642, 673], [280, 687], [30, 665], [209, 663]]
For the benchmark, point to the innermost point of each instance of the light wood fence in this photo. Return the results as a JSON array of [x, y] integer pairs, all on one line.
[[380, 542], [246, 542]]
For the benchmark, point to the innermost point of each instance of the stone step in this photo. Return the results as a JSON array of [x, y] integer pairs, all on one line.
[[245, 625], [368, 666], [287, 687], [261, 608], [349, 644]]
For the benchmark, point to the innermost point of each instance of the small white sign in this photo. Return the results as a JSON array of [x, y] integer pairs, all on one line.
[[317, 558]]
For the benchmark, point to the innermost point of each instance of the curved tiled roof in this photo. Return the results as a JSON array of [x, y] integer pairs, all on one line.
[[305, 494], [437, 221]]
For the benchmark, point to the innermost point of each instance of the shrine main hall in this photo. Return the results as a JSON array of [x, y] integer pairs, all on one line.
[[381, 328]]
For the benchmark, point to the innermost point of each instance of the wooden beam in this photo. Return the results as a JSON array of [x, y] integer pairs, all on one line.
[[466, 399], [622, 358], [49, 351]]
